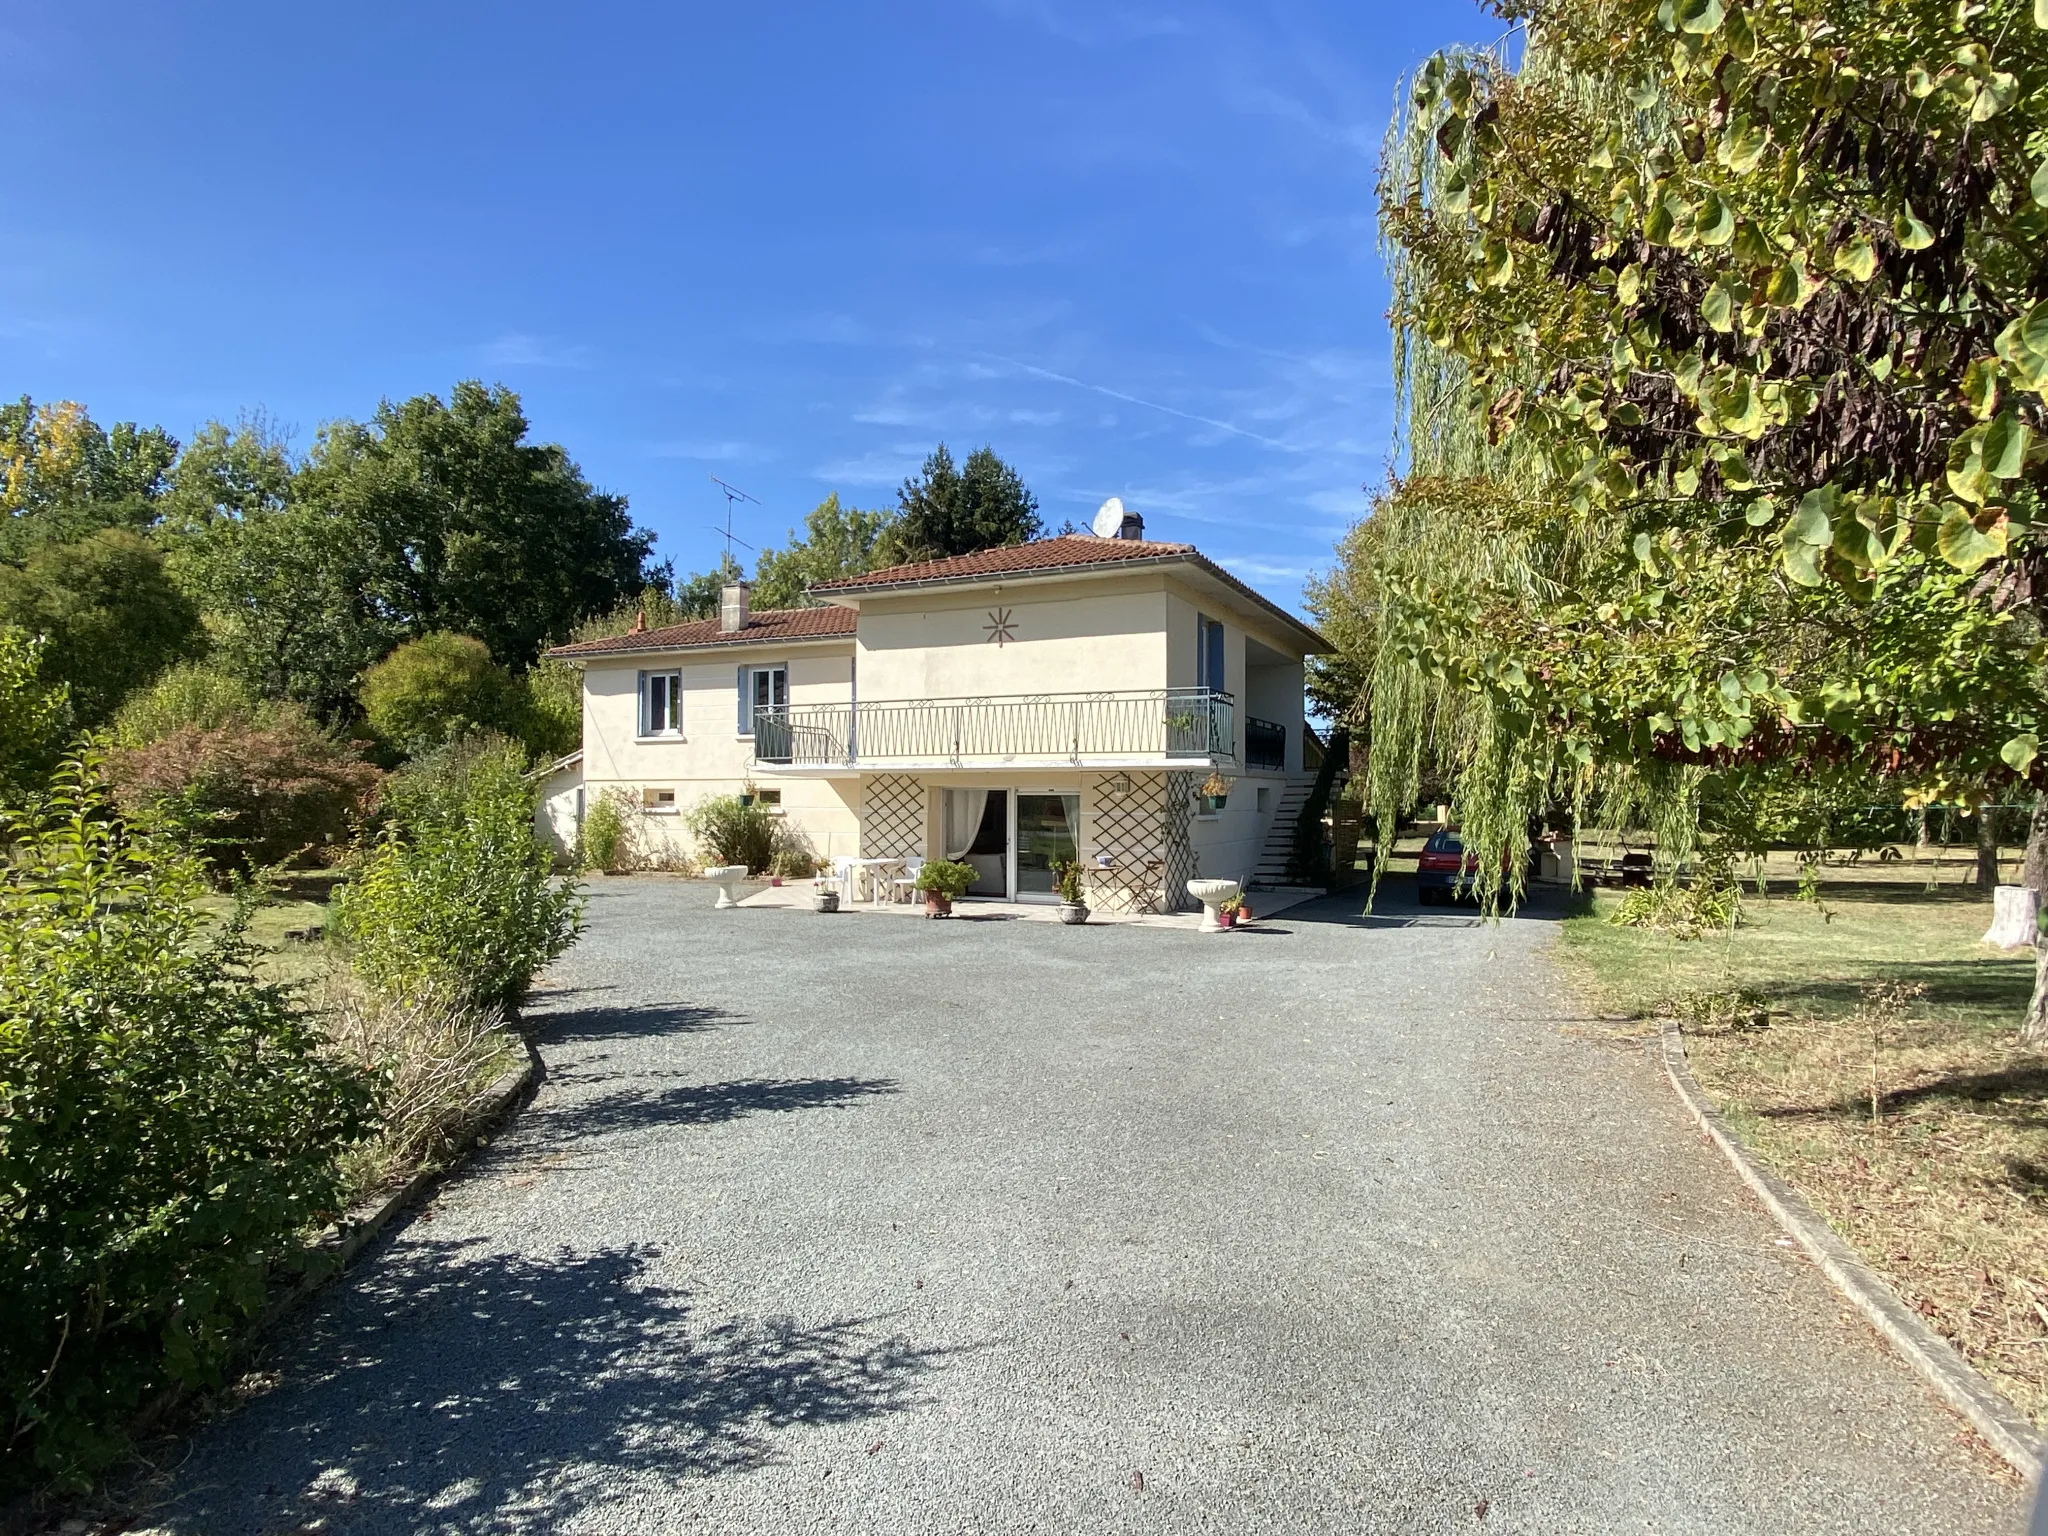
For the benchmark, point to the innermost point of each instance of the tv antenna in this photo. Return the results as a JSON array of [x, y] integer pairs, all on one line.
[[733, 494]]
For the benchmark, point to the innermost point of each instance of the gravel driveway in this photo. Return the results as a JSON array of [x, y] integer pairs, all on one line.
[[871, 1225]]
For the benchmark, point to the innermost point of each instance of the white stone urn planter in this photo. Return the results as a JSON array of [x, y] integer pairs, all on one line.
[[1212, 894], [725, 877]]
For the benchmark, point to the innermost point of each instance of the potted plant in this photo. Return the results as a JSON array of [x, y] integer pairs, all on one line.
[[824, 894], [1227, 914], [1073, 896], [943, 882], [1215, 791], [1244, 909]]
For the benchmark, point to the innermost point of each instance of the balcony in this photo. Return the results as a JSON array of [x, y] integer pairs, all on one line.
[[1265, 744], [1185, 727]]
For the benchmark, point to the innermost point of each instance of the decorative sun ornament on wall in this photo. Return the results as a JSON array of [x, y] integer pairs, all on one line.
[[1001, 626]]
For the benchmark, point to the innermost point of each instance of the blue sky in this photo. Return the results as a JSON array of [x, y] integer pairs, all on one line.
[[793, 246]]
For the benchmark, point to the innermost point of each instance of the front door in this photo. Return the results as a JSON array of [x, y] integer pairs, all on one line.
[[1048, 835]]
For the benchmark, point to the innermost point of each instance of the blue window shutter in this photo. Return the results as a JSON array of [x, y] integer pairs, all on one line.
[[746, 721]]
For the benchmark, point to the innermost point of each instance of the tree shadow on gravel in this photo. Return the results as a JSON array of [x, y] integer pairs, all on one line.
[[597, 1020], [704, 1103], [454, 1389]]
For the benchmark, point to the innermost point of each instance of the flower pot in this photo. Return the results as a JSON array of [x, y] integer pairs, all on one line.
[[937, 904], [1226, 919], [775, 879], [1073, 912], [824, 901], [1244, 911]]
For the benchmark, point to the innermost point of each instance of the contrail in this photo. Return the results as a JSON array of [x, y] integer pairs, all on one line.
[[1150, 405]]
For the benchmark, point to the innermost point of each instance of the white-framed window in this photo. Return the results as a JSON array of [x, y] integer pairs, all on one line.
[[1209, 667], [661, 703], [658, 802], [772, 798], [762, 688]]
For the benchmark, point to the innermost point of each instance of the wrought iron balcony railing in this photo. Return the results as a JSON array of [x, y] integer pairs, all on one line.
[[1265, 744], [1165, 724]]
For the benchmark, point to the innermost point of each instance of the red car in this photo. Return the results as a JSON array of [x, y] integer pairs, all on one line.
[[1444, 870]]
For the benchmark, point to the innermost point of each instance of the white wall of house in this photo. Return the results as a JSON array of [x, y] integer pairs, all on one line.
[[1065, 637], [558, 816], [665, 775]]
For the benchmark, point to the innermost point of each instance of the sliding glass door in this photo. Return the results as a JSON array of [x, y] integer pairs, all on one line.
[[1048, 835]]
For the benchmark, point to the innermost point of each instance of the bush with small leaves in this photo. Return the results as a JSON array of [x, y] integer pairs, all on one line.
[[169, 1128], [732, 830], [458, 893]]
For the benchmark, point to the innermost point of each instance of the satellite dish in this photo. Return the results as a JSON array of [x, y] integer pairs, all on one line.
[[1109, 521]]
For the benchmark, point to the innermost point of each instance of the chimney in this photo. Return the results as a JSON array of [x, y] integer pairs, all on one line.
[[639, 621], [1132, 527], [732, 607]]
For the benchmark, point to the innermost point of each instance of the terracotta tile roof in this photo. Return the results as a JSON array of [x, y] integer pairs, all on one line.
[[1013, 559], [1072, 553], [702, 634]]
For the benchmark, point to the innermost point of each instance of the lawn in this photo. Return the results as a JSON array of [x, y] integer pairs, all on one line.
[[1943, 1183], [278, 929]]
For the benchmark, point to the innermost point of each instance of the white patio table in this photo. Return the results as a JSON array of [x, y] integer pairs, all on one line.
[[874, 872]]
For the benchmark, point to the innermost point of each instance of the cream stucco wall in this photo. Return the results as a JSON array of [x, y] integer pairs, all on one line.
[[1068, 637], [1098, 634], [711, 757]]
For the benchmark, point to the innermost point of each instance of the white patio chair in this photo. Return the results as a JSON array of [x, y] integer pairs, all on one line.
[[843, 875], [904, 886]]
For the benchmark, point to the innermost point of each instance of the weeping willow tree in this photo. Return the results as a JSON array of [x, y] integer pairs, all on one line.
[[1721, 345]]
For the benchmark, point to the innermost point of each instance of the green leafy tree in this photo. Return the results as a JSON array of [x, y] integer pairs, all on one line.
[[287, 599], [110, 616], [63, 476], [836, 541], [695, 597], [225, 473], [983, 504], [1721, 340], [431, 690], [470, 527], [33, 715], [169, 1129]]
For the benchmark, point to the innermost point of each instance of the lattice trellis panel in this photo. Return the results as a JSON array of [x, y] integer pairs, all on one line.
[[1129, 827], [1180, 852], [892, 817]]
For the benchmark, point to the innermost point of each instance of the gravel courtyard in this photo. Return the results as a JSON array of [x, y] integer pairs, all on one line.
[[857, 1224]]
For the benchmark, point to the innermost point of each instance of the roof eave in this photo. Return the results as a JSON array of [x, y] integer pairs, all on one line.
[[849, 596], [701, 645]]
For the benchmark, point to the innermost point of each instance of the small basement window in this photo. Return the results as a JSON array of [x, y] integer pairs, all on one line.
[[768, 797], [658, 802]]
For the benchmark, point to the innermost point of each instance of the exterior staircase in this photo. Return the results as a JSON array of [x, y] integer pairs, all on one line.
[[1278, 852]]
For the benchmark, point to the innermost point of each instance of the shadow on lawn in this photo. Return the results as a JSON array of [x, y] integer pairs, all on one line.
[[1993, 986], [703, 1103], [453, 1388]]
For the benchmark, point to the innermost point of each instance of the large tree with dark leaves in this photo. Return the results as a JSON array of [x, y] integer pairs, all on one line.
[[469, 527], [982, 504]]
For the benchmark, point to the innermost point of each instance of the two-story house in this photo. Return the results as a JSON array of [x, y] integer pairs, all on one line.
[[1069, 698]]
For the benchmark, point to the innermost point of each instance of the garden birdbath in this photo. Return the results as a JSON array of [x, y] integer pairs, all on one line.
[[1212, 894], [725, 877]]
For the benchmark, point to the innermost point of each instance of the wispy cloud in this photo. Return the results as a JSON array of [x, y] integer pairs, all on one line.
[[721, 452], [519, 349], [880, 466], [1151, 405]]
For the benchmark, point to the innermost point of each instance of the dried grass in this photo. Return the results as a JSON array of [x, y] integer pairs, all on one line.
[[440, 1057], [1945, 1189]]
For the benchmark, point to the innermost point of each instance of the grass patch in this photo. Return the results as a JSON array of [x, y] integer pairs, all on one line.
[[1943, 1184]]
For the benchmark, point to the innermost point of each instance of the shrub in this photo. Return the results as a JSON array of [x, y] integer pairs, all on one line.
[[792, 856], [189, 694], [733, 831], [247, 792], [608, 833], [436, 689], [169, 1127], [458, 894], [1684, 911]]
